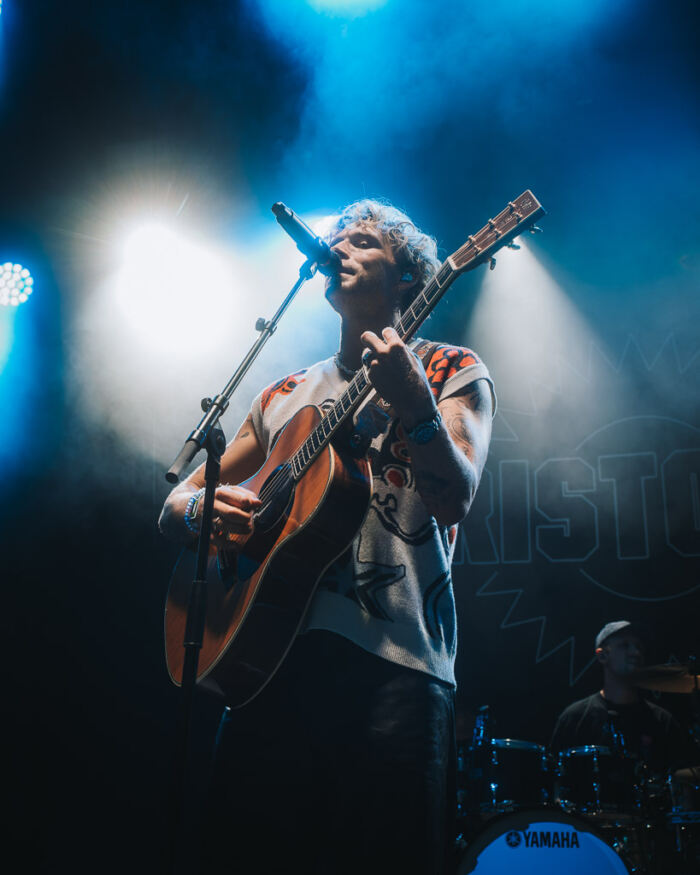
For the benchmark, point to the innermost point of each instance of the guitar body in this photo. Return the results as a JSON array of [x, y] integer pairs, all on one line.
[[258, 594]]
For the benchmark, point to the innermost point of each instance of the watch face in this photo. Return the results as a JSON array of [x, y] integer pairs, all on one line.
[[422, 433], [425, 431]]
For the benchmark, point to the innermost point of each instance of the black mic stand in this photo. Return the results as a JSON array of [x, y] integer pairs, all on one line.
[[207, 436], [693, 668]]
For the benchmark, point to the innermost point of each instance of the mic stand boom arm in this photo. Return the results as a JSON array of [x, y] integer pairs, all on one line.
[[209, 436], [215, 407]]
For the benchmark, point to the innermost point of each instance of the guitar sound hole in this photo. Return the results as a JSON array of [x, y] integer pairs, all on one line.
[[276, 495]]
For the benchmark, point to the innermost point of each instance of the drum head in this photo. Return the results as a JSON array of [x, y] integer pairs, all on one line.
[[540, 843]]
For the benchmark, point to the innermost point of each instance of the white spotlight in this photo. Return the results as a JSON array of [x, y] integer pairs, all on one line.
[[175, 294], [176, 318], [524, 323], [16, 284]]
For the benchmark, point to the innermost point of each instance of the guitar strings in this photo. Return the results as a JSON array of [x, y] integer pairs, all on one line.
[[278, 482]]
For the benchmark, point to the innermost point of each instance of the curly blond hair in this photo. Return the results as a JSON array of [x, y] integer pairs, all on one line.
[[415, 252]]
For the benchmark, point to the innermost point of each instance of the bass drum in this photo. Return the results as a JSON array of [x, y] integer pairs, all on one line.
[[540, 842]]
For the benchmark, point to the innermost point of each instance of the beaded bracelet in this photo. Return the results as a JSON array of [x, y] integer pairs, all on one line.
[[191, 511]]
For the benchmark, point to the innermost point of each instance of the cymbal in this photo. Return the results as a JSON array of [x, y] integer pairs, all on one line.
[[666, 678]]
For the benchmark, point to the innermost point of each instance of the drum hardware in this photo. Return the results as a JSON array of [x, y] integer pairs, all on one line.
[[504, 774], [682, 814], [684, 793], [679, 807], [596, 781], [500, 774]]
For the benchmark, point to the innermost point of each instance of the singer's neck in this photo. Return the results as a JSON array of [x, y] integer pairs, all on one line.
[[351, 331]]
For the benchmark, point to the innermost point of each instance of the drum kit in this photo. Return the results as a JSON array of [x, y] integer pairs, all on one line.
[[589, 809]]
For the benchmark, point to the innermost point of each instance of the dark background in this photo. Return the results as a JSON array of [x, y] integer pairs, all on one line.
[[590, 506]]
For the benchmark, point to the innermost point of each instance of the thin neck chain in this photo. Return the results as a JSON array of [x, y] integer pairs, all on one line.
[[345, 371]]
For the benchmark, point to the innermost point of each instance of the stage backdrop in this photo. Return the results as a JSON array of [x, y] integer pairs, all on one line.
[[194, 119]]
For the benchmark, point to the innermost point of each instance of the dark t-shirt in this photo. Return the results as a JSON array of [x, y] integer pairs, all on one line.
[[649, 731]]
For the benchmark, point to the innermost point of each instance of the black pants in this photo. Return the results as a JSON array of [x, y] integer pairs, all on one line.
[[344, 764]]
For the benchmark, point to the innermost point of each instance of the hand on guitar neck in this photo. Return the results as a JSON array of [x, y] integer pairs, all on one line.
[[398, 376]]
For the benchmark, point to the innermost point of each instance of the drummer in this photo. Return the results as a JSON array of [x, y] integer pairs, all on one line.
[[617, 716]]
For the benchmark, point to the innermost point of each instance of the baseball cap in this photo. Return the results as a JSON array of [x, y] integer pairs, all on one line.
[[611, 628]]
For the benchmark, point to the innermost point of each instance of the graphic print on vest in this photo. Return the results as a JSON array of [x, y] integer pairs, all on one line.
[[393, 481], [393, 507], [282, 387], [445, 362]]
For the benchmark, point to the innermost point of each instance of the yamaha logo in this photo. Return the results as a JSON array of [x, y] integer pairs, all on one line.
[[543, 839]]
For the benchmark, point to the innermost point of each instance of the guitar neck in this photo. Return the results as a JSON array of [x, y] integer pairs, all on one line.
[[478, 248], [359, 387]]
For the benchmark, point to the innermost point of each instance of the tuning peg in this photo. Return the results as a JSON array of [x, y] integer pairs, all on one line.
[[492, 263], [512, 245], [535, 229]]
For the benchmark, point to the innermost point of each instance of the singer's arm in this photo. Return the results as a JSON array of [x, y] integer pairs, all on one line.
[[233, 504], [448, 467]]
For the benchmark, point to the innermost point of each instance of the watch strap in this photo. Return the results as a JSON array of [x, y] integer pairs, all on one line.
[[425, 431]]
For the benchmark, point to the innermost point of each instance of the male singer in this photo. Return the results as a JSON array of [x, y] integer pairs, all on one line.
[[344, 762]]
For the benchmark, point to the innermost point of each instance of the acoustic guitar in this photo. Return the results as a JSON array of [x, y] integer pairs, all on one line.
[[259, 591]]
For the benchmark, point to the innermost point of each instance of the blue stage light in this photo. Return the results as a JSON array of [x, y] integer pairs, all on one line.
[[350, 8], [16, 283]]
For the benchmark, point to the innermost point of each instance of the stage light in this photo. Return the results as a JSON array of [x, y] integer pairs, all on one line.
[[526, 325], [349, 8], [174, 292], [16, 284], [178, 315], [6, 336]]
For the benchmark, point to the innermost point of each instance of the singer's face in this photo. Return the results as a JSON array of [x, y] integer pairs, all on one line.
[[368, 282]]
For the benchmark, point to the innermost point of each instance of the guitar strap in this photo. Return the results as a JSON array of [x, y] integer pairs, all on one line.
[[424, 349]]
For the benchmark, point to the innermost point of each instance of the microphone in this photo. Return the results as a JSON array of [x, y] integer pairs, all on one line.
[[308, 243]]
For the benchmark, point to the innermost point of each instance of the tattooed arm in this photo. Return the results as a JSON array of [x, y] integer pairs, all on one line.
[[448, 468], [234, 505]]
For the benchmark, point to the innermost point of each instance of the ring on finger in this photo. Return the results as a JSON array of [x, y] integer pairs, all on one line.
[[367, 357]]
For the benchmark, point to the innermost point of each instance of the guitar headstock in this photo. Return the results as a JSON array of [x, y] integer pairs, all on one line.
[[517, 217]]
